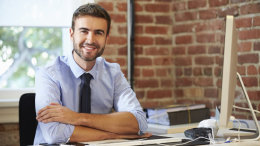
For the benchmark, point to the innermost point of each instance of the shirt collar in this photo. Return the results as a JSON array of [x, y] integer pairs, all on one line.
[[77, 70]]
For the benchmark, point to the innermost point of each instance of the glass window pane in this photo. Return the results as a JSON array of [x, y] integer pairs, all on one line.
[[22, 50]]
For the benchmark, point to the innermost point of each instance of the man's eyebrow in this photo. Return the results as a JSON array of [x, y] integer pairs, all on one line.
[[97, 30]]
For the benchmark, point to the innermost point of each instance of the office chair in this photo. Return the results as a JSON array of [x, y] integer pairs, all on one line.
[[27, 119]]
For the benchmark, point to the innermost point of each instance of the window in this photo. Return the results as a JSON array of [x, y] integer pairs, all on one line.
[[32, 34]]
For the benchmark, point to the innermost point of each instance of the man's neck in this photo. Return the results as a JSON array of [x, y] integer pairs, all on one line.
[[85, 65]]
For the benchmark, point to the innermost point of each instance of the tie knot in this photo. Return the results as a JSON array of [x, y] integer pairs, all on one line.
[[86, 77]]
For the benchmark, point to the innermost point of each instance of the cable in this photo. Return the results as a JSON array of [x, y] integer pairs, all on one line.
[[247, 109], [193, 141]]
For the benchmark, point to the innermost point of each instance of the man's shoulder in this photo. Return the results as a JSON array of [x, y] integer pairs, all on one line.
[[102, 62], [57, 66]]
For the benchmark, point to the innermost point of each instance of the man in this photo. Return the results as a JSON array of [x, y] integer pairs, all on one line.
[[58, 89]]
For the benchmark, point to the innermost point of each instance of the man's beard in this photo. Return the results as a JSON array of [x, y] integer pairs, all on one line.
[[80, 52]]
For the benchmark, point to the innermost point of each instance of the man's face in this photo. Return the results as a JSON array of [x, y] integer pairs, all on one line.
[[89, 37]]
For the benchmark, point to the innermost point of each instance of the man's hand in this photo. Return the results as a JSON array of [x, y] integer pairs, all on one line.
[[57, 113]]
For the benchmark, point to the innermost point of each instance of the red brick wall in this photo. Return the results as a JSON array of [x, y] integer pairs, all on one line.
[[179, 47]]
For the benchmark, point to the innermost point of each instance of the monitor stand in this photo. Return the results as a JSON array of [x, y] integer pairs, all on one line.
[[256, 136]]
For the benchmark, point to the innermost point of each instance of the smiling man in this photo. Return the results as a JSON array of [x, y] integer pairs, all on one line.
[[64, 115]]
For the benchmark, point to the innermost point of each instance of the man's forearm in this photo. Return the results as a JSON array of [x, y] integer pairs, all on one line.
[[84, 134], [118, 122]]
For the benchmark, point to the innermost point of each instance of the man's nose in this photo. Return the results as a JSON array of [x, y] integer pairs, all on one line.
[[90, 37]]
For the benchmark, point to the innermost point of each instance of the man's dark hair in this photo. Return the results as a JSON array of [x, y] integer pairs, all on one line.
[[91, 9]]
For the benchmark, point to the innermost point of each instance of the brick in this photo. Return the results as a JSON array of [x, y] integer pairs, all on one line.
[[150, 104], [233, 10], [185, 16], [178, 93], [143, 40], [207, 71], [185, 39], [107, 5], [178, 50], [208, 14], [244, 47], [216, 3], [212, 25], [157, 7], [197, 71], [159, 93], [122, 29], [148, 83], [163, 41], [157, 51], [148, 72], [143, 61], [180, 28], [211, 92], [137, 72], [117, 40], [250, 8], [122, 51], [121, 6], [162, 61], [243, 22], [118, 17], [178, 72], [218, 71], [143, 18], [140, 94], [256, 21], [257, 46], [205, 38], [196, 50], [187, 71], [252, 70], [138, 29], [183, 82], [250, 81], [163, 19], [139, 50], [182, 61], [177, 6], [214, 50], [138, 7], [238, 1], [241, 70], [254, 95], [156, 29], [248, 58], [194, 4], [204, 82], [219, 60], [167, 83], [204, 60], [193, 92], [161, 72]]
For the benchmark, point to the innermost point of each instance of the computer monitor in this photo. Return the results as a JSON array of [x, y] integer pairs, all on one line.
[[229, 72], [229, 79]]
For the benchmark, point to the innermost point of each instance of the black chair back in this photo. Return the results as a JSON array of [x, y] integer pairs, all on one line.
[[27, 119]]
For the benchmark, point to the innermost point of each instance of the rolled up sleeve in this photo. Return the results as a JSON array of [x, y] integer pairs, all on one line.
[[48, 91]]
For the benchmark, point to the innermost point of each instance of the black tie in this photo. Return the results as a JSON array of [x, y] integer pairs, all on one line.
[[85, 100]]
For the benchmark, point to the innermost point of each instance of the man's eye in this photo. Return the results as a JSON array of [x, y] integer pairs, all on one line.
[[99, 33], [84, 31]]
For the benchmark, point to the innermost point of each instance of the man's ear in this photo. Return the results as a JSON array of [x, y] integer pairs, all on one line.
[[71, 34]]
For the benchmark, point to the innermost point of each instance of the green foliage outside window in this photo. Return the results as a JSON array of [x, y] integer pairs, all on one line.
[[23, 50]]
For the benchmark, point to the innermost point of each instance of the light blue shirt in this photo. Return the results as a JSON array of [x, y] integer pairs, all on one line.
[[60, 83]]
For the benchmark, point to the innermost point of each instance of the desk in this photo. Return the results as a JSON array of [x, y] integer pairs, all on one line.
[[174, 137]]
